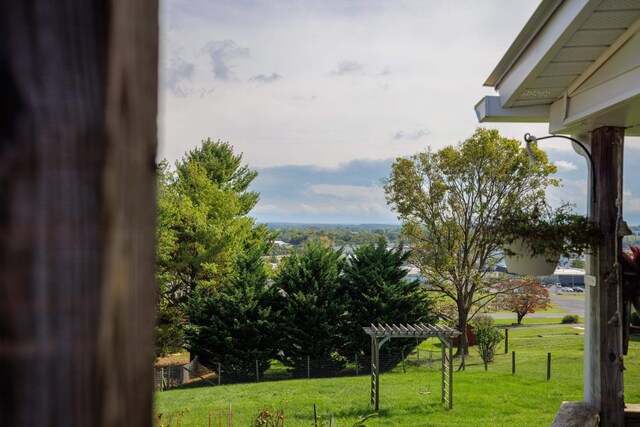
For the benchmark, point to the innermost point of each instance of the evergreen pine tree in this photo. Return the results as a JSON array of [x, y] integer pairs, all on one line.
[[311, 310], [234, 325], [376, 289]]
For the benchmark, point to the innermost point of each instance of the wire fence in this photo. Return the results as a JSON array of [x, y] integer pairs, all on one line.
[[219, 374], [428, 356]]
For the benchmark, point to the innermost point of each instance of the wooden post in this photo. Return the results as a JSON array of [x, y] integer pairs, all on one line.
[[373, 370], [444, 370], [219, 373], [377, 375], [450, 345], [257, 371], [603, 341], [308, 367], [513, 362], [506, 340], [548, 366], [357, 370], [77, 211]]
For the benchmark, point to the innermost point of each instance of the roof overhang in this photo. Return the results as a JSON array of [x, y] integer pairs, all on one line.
[[575, 65]]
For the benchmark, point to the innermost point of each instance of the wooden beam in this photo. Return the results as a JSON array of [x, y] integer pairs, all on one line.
[[605, 300], [78, 110]]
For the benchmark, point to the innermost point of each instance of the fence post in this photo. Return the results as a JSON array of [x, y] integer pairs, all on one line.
[[161, 379], [403, 367], [548, 366], [506, 340], [357, 372], [315, 414], [257, 372], [308, 367], [219, 373], [513, 362]]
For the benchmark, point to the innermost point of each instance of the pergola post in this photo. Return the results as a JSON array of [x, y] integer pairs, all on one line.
[[375, 370], [604, 363]]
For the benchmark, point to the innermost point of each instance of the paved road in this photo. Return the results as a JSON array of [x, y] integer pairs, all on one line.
[[571, 304]]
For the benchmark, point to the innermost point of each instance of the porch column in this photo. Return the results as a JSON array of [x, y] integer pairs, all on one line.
[[603, 328]]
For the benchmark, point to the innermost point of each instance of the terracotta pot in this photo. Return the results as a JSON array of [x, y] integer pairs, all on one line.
[[526, 264]]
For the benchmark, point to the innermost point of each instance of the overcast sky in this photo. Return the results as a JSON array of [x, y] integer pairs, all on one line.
[[321, 96]]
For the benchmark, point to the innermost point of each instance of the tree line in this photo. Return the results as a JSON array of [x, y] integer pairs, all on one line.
[[219, 300]]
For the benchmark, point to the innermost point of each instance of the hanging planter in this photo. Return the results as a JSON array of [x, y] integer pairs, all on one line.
[[533, 240], [521, 260]]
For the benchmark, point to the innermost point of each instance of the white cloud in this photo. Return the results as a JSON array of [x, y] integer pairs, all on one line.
[[177, 74], [346, 68], [437, 73], [222, 54], [351, 192], [563, 165], [266, 79], [631, 202], [413, 135]]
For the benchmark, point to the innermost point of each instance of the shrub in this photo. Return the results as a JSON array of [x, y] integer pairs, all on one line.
[[635, 319], [488, 337], [269, 418], [570, 318]]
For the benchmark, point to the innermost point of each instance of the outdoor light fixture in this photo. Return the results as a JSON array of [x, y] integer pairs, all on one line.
[[532, 139]]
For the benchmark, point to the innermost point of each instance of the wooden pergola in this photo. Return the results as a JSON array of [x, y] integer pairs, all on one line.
[[382, 333]]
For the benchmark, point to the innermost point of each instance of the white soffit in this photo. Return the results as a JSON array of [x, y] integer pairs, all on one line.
[[573, 49]]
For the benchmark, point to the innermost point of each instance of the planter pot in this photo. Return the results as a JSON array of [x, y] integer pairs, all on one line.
[[526, 264]]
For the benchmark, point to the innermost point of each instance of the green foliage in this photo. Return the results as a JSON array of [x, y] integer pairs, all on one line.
[[169, 329], [376, 290], [343, 235], [268, 417], [487, 337], [548, 231], [223, 168], [577, 263], [448, 200], [202, 224], [310, 307], [570, 318], [234, 324]]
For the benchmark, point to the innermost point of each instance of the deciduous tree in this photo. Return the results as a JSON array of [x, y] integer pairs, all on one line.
[[525, 296], [448, 200]]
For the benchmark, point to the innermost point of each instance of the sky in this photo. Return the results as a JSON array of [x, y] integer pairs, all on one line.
[[321, 96]]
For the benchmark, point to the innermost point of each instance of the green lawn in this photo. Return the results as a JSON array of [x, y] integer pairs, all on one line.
[[492, 398], [530, 321], [552, 309]]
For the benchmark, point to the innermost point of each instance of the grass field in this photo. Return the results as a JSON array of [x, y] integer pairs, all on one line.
[[491, 398]]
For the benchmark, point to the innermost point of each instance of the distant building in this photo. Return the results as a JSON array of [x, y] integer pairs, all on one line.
[[565, 276]]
